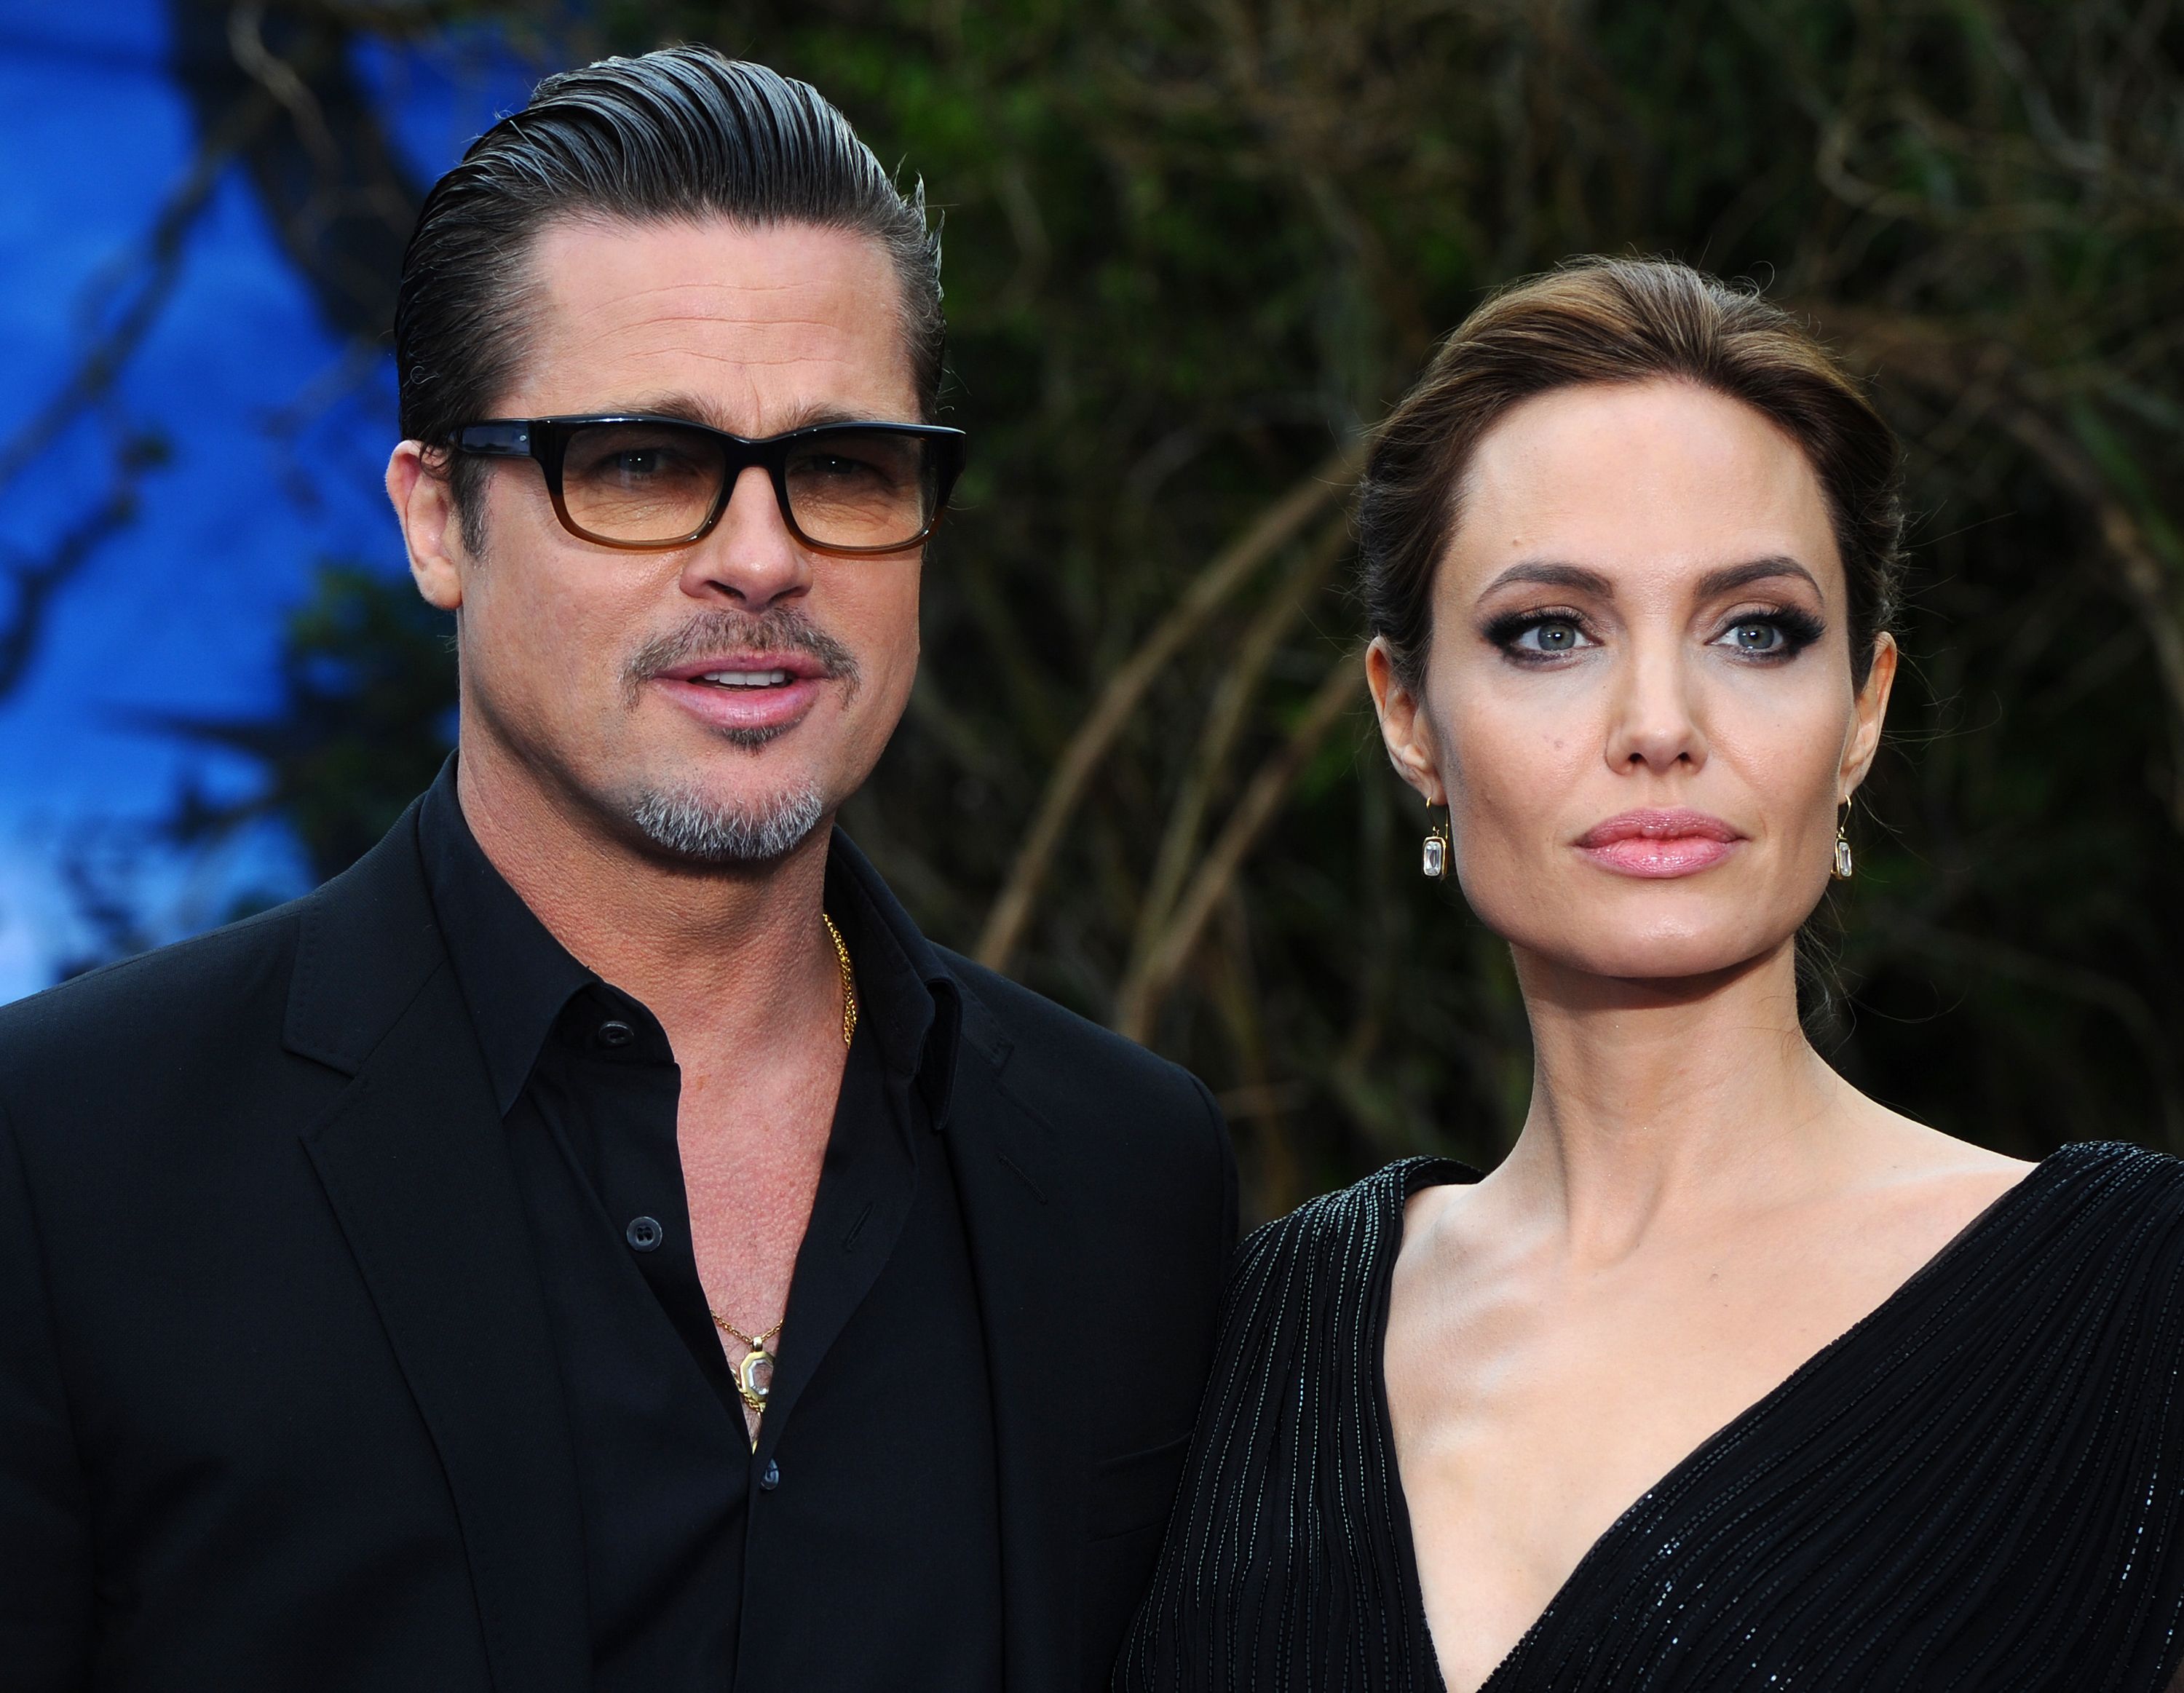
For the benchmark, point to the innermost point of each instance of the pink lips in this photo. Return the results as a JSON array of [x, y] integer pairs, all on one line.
[[1659, 844], [775, 706]]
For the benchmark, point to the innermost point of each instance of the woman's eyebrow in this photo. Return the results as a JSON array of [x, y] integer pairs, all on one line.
[[1731, 577], [1580, 580], [1575, 577]]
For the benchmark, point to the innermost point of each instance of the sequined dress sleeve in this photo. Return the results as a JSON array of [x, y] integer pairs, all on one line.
[[1979, 1487]]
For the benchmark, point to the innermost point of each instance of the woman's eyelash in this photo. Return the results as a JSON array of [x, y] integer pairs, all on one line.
[[1797, 627], [1792, 630], [1505, 631]]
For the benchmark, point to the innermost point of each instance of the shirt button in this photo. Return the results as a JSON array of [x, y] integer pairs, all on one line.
[[644, 1233], [615, 1033], [771, 1479]]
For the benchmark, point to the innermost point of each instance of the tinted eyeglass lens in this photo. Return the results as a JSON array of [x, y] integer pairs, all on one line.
[[852, 488], [640, 483]]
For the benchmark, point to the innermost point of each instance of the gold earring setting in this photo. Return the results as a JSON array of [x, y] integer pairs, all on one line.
[[1436, 849], [1844, 867]]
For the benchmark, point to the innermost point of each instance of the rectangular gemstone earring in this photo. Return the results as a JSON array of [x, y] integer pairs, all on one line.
[[1436, 851], [1843, 865]]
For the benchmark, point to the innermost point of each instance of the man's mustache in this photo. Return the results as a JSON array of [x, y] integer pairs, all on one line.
[[782, 629]]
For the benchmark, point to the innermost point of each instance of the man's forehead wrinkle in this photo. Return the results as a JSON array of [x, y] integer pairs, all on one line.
[[855, 379], [798, 341], [856, 383], [764, 325], [744, 358], [707, 306], [603, 324], [615, 313]]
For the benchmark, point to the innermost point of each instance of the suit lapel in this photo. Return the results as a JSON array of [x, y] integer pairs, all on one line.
[[412, 1161], [1018, 1208]]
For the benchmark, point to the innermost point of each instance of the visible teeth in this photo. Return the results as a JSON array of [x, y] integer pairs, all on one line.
[[746, 678]]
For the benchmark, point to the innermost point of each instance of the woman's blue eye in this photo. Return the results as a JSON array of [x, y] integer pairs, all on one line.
[[1527, 637], [1780, 634], [1554, 636]]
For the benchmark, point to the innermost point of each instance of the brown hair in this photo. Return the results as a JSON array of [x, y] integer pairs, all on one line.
[[1621, 320]]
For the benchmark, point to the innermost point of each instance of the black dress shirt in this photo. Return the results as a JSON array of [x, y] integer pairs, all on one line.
[[709, 1564], [305, 1385]]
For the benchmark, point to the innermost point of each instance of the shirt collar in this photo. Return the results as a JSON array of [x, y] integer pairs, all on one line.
[[902, 985], [514, 975], [517, 979]]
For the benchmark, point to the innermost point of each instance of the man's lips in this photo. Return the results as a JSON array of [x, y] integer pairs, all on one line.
[[1659, 844], [745, 670], [746, 690]]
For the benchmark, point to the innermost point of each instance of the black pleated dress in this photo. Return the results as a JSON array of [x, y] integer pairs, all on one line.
[[1980, 1486]]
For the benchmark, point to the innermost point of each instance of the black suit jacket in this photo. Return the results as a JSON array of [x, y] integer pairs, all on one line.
[[278, 1407]]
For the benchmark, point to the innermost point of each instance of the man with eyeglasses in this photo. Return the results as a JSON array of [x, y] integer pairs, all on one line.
[[596, 1242]]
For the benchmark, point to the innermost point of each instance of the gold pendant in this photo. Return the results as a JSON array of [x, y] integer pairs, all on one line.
[[755, 1378]]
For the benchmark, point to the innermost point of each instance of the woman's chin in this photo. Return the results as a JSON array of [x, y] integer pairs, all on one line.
[[1673, 964]]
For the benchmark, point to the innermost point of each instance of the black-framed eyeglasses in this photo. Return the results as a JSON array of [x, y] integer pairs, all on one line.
[[645, 483]]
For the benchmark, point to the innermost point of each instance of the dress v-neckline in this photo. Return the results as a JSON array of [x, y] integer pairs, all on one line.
[[1430, 1172]]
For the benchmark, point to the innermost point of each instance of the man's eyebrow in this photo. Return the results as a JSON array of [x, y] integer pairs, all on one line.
[[687, 407], [820, 411], [1730, 577], [1575, 577], [694, 409]]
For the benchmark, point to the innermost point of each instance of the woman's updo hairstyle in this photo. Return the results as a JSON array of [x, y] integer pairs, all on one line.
[[1621, 320]]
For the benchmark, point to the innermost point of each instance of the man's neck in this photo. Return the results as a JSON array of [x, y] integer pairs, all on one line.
[[733, 957]]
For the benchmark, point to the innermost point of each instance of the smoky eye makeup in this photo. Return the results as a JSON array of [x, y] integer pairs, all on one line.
[[1539, 634], [1759, 634], [1769, 633]]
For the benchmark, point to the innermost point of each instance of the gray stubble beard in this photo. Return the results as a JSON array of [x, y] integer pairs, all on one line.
[[708, 832], [684, 822]]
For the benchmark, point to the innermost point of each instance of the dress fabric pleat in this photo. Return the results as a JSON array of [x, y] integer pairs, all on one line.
[[1980, 1486]]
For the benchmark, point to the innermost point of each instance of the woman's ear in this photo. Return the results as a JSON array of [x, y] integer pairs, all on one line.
[[1869, 710], [1405, 729]]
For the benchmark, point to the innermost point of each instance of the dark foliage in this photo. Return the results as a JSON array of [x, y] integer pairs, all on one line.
[[1193, 248]]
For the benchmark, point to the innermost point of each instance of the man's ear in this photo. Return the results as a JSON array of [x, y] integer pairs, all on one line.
[[425, 507], [1870, 710], [1404, 727]]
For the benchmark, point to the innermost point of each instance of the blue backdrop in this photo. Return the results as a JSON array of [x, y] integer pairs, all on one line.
[[278, 435]]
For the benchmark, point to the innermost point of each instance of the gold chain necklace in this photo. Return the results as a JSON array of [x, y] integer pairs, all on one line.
[[754, 1370], [849, 979]]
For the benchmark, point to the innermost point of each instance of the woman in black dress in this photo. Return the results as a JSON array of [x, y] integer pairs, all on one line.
[[1728, 1377]]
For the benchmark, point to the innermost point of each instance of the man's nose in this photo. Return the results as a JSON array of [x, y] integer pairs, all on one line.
[[1656, 723], [750, 559]]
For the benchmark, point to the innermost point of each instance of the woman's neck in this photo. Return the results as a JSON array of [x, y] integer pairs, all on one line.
[[1662, 1104]]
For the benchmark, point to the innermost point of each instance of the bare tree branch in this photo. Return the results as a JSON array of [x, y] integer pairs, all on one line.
[[246, 40], [35, 582], [1140, 999], [338, 195], [2153, 591], [1011, 909], [1225, 722], [102, 363]]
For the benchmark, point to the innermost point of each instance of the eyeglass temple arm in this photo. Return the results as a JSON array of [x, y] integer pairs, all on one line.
[[495, 440]]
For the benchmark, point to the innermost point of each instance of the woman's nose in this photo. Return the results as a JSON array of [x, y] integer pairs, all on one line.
[[1655, 724]]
